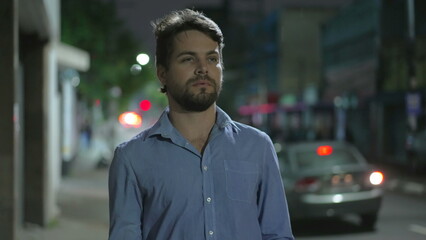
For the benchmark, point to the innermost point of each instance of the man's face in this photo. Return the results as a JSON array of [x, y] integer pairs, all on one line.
[[194, 77]]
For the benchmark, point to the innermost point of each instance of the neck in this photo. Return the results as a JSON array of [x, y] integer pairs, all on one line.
[[193, 123], [194, 126]]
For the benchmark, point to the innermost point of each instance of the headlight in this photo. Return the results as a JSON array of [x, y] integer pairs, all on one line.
[[376, 178]]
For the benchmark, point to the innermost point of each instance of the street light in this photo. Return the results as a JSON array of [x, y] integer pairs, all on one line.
[[135, 69], [142, 59]]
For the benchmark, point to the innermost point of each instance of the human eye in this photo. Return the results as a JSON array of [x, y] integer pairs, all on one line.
[[213, 59], [186, 59]]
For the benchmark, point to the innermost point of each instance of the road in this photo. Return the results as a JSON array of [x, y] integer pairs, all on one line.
[[401, 217]]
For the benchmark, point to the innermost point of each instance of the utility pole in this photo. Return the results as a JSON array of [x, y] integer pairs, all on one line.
[[9, 42], [413, 98], [411, 44]]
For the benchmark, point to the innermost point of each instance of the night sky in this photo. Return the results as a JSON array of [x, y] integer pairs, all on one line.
[[138, 14]]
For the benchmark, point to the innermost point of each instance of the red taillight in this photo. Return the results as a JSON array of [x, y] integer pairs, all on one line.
[[324, 150], [376, 178], [308, 184]]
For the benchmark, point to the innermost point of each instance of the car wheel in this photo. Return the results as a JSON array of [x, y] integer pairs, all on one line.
[[368, 221]]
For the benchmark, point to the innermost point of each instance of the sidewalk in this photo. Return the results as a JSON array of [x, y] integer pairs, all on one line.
[[83, 203], [82, 199]]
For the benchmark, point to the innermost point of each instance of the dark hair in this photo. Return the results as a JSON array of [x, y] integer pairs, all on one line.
[[166, 28]]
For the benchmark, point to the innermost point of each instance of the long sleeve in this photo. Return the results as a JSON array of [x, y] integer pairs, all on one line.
[[125, 204], [273, 211]]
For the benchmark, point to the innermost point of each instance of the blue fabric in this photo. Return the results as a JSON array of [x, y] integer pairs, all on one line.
[[162, 188]]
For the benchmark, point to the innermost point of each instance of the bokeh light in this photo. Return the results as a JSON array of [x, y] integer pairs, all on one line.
[[142, 59]]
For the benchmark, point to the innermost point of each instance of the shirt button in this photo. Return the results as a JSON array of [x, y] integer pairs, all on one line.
[[209, 199], [205, 168], [210, 233]]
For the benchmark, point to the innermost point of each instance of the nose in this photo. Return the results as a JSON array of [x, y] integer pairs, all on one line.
[[201, 68]]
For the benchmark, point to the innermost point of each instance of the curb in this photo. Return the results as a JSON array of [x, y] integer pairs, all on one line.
[[407, 187]]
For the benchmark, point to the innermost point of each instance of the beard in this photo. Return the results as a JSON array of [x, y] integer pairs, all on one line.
[[198, 101]]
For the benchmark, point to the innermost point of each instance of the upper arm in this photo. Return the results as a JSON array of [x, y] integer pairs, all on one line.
[[125, 201], [273, 211]]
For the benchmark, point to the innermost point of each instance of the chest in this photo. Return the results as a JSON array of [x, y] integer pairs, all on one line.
[[178, 175], [199, 144]]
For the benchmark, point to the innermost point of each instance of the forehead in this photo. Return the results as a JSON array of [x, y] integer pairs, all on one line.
[[193, 40]]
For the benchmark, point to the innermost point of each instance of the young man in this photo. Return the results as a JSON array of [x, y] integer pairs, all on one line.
[[196, 174]]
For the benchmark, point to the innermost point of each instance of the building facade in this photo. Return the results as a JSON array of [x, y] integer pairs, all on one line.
[[373, 60], [31, 58]]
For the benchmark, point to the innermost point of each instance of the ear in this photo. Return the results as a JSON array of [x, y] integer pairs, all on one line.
[[161, 74]]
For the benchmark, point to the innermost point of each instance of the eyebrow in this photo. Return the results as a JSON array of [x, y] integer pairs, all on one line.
[[193, 53]]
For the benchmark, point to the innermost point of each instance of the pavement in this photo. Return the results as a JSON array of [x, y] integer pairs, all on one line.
[[398, 179], [83, 203]]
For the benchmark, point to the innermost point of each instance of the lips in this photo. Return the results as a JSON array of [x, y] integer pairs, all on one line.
[[201, 83]]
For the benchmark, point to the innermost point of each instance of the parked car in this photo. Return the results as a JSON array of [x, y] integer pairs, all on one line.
[[330, 179]]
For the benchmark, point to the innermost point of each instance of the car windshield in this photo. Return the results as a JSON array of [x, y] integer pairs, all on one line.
[[309, 160]]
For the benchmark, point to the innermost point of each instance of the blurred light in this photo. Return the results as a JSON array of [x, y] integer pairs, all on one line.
[[142, 59], [376, 178], [75, 81], [338, 101], [97, 102], [278, 147], [130, 119], [135, 69], [324, 150], [115, 92], [261, 108], [308, 184], [348, 178], [145, 105], [337, 198], [267, 108], [72, 75], [335, 180]]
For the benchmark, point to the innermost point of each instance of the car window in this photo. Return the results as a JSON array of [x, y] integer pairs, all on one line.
[[311, 160]]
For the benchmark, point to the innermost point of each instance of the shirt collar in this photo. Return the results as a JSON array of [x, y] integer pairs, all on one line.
[[223, 120], [165, 128]]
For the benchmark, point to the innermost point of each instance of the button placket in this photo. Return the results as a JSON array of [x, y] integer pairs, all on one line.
[[208, 194]]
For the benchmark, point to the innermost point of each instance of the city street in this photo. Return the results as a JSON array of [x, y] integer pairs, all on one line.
[[83, 204], [401, 217]]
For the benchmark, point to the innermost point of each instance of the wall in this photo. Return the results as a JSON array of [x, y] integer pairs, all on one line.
[[300, 53]]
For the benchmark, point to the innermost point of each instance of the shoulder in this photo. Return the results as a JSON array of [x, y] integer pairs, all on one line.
[[133, 145], [237, 128], [245, 130]]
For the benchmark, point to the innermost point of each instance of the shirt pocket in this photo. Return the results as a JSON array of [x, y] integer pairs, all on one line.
[[241, 180]]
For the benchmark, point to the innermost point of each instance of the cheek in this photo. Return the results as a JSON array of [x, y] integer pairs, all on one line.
[[184, 72], [217, 74], [216, 70], [178, 76]]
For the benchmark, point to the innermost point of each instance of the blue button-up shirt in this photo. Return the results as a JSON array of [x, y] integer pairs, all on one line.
[[162, 188]]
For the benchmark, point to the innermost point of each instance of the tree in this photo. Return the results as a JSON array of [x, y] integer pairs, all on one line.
[[95, 27]]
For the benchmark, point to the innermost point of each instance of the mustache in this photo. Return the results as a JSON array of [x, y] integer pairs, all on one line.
[[198, 78]]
